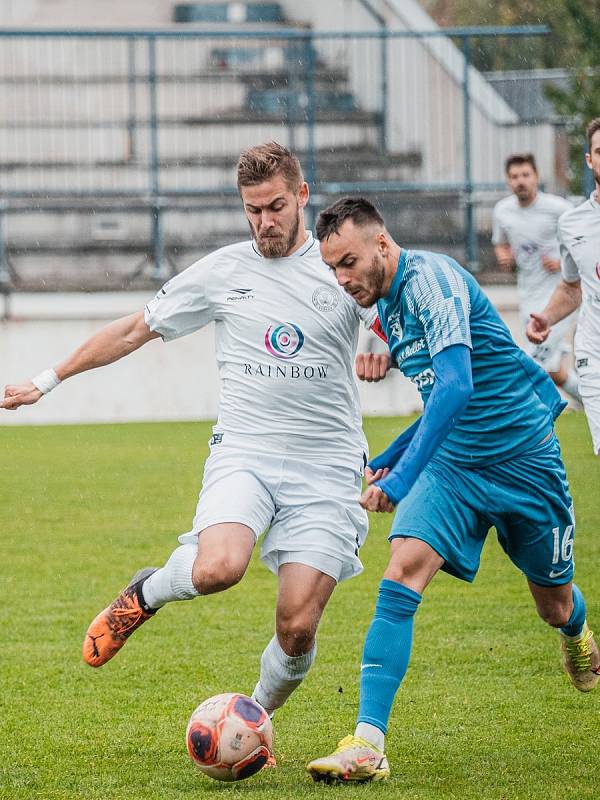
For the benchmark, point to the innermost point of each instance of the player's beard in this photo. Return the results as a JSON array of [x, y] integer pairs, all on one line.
[[373, 283], [524, 194], [280, 245]]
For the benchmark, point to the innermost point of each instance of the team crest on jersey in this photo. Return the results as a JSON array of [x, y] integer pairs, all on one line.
[[284, 341], [395, 325], [325, 298]]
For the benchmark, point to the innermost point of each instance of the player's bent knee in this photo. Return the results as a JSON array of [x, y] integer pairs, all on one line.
[[411, 575], [557, 616], [296, 634], [413, 563], [216, 576]]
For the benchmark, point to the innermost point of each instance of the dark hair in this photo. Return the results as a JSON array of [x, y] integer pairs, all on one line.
[[265, 161], [593, 126], [359, 210], [517, 159]]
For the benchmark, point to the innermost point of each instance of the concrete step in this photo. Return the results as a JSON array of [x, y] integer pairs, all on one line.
[[110, 269], [209, 223], [196, 137], [189, 175]]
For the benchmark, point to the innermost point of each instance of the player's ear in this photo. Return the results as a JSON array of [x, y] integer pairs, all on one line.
[[383, 244], [303, 194]]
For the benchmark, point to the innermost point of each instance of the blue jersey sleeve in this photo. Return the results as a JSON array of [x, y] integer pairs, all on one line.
[[391, 455], [439, 297], [450, 394]]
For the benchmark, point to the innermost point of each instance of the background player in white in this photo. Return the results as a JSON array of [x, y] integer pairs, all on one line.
[[287, 452], [579, 235], [525, 235]]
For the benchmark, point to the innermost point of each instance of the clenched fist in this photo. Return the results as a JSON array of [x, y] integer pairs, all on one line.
[[375, 499], [24, 394], [372, 367]]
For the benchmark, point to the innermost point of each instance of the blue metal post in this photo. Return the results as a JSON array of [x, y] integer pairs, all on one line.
[[157, 234], [384, 92], [311, 118], [294, 89], [131, 99], [469, 222]]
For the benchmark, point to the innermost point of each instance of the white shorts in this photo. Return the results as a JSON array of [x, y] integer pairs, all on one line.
[[310, 512], [550, 353], [588, 372]]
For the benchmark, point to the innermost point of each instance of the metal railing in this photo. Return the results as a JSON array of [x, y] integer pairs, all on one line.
[[153, 120]]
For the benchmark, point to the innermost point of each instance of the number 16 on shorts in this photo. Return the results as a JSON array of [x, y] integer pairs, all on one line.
[[563, 549]]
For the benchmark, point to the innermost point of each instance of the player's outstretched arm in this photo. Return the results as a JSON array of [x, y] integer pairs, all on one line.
[[379, 466], [451, 392], [564, 300], [110, 344]]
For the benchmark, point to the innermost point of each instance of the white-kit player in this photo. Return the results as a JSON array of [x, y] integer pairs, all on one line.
[[579, 234], [287, 452], [525, 235]]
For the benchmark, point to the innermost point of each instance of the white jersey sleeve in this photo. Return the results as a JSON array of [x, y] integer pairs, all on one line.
[[568, 266], [183, 305], [368, 316]]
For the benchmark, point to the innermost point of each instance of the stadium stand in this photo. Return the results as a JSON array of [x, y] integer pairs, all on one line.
[[109, 139]]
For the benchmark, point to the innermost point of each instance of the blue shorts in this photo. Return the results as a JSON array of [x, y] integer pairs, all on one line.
[[526, 498]]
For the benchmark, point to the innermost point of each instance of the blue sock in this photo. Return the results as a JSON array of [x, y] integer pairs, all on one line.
[[575, 624], [386, 652]]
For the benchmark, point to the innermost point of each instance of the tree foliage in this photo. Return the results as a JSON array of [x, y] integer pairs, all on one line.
[[560, 49], [574, 44]]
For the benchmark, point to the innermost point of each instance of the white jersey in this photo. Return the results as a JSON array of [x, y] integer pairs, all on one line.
[[579, 233], [531, 232], [286, 336]]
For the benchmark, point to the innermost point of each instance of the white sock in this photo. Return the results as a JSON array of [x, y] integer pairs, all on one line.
[[174, 580], [571, 386], [371, 734], [280, 674]]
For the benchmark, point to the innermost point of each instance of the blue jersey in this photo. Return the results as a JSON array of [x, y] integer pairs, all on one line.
[[433, 303]]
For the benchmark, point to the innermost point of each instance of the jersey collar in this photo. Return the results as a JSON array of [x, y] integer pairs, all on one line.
[[301, 251]]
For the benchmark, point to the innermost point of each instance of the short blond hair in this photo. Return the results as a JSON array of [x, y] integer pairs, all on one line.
[[265, 161]]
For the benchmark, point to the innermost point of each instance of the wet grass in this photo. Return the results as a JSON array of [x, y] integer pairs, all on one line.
[[485, 711]]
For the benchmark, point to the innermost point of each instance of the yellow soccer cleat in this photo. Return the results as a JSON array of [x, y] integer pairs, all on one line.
[[581, 659], [353, 760]]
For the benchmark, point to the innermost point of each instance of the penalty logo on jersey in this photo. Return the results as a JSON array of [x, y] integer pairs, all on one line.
[[284, 341]]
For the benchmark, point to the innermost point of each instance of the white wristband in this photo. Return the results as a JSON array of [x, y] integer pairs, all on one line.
[[46, 381]]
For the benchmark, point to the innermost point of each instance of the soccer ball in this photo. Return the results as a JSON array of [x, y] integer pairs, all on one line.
[[229, 737]]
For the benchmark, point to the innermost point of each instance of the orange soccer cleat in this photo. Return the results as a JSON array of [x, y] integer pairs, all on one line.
[[112, 627]]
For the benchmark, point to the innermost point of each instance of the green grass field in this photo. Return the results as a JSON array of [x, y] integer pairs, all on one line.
[[485, 711]]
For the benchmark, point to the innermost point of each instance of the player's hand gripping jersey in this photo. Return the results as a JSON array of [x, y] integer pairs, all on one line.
[[285, 340], [434, 304]]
